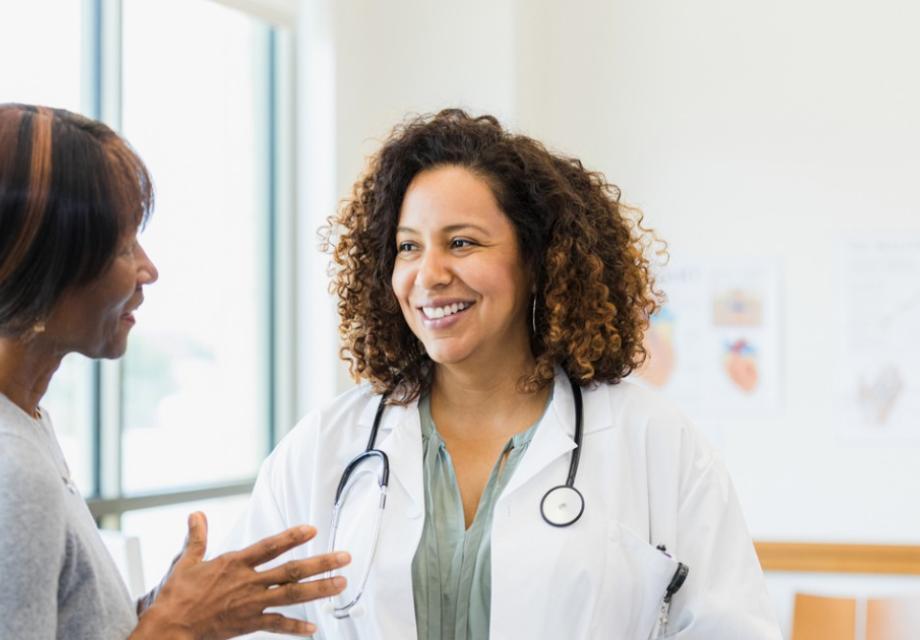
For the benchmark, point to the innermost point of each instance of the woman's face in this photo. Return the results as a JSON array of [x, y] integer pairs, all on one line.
[[458, 275], [95, 319]]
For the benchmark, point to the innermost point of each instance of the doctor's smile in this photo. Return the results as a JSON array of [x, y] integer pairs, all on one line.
[[439, 309]]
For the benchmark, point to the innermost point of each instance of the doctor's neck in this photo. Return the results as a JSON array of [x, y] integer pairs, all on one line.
[[485, 394]]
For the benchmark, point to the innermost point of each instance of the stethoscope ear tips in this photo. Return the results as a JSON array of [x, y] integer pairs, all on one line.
[[562, 506]]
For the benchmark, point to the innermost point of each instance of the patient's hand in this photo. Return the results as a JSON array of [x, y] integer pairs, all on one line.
[[226, 596]]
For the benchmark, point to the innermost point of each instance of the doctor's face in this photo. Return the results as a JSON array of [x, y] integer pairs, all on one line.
[[458, 275]]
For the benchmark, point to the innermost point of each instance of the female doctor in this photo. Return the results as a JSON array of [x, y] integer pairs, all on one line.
[[496, 476]]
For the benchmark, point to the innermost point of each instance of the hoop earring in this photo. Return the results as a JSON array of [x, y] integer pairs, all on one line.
[[533, 316]]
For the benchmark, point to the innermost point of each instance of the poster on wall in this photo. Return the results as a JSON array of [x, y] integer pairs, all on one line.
[[714, 346], [877, 359]]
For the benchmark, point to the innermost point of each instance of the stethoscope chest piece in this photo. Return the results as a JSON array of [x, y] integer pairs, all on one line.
[[562, 505]]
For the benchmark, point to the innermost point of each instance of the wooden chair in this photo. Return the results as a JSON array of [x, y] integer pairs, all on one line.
[[893, 618], [836, 618], [823, 618]]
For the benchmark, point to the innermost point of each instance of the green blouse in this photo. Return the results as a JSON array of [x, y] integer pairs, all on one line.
[[451, 570]]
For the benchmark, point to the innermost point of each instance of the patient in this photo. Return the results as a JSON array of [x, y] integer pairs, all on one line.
[[73, 196]]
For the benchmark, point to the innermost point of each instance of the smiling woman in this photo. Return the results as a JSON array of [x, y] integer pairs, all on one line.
[[494, 295]]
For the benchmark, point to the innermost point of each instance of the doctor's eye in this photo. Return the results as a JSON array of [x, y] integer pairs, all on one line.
[[405, 246], [461, 243]]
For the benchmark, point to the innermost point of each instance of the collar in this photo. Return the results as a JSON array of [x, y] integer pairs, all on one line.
[[400, 436]]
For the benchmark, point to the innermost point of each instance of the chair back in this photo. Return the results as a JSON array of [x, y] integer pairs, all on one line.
[[818, 617], [893, 618], [823, 618]]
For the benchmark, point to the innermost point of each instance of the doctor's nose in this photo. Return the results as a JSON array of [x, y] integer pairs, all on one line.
[[433, 271]]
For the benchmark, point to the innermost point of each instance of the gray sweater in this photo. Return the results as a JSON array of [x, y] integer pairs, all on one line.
[[56, 578]]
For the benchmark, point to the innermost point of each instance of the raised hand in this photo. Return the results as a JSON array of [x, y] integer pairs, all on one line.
[[227, 596]]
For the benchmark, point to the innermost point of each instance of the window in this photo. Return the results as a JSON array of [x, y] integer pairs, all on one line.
[[47, 75], [196, 375], [51, 76], [162, 530], [201, 91]]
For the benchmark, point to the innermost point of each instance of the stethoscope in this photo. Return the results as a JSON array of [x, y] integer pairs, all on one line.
[[561, 506]]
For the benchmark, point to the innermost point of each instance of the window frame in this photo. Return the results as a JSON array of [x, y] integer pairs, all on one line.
[[101, 94]]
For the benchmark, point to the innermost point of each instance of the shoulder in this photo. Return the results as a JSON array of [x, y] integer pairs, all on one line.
[[31, 492], [345, 410], [24, 466], [652, 420], [308, 458], [338, 423], [630, 405]]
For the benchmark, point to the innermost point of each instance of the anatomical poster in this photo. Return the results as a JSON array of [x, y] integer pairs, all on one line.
[[877, 361], [715, 345]]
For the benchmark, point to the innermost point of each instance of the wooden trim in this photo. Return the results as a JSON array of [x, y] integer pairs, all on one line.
[[839, 558]]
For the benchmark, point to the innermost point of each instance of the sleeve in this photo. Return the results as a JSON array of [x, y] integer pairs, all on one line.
[[724, 596], [32, 542]]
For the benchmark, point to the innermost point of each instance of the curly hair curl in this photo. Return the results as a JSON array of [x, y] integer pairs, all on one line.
[[585, 250]]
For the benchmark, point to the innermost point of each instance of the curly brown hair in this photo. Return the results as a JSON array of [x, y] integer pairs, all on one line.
[[585, 250]]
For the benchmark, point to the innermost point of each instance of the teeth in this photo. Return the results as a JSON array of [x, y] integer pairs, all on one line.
[[435, 313]]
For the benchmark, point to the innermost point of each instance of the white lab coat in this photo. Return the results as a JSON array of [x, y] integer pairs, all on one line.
[[647, 478]]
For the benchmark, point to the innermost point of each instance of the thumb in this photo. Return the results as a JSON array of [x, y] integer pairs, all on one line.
[[196, 542]]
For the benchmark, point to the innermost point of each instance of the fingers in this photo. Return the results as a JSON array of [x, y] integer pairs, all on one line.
[[279, 624], [297, 570], [298, 592], [196, 543], [272, 547]]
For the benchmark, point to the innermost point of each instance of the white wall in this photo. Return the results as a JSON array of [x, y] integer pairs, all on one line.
[[416, 56], [763, 129]]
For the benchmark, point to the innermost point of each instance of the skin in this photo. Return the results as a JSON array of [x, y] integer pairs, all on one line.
[[198, 599], [226, 596], [93, 320], [455, 245]]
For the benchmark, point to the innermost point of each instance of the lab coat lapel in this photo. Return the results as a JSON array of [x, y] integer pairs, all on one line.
[[553, 438], [400, 438]]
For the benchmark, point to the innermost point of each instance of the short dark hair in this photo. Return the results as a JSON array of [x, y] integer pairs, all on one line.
[[585, 250], [70, 187]]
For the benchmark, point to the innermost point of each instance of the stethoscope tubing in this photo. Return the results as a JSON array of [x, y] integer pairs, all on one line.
[[563, 518], [574, 460]]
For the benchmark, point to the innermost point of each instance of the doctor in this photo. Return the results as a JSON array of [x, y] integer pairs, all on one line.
[[494, 297]]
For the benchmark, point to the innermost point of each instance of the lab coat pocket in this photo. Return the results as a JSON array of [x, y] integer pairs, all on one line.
[[637, 577]]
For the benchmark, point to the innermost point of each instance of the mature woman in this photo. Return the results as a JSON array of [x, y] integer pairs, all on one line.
[[494, 296], [72, 198]]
